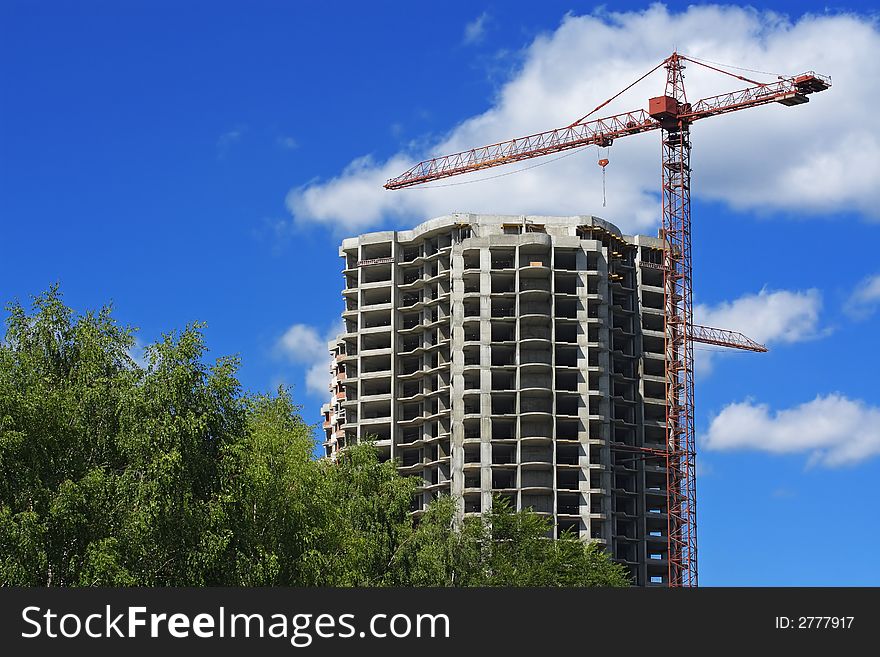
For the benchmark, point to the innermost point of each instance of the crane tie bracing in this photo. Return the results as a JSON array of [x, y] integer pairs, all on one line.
[[673, 115]]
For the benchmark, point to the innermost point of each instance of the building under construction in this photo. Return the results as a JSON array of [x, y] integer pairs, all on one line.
[[520, 357], [549, 360]]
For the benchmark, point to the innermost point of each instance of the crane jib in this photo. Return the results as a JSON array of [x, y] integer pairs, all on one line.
[[662, 111]]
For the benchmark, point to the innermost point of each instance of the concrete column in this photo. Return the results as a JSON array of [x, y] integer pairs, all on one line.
[[485, 379], [456, 262]]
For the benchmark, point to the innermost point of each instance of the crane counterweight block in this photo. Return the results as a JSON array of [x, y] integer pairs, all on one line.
[[792, 99], [663, 108], [810, 82]]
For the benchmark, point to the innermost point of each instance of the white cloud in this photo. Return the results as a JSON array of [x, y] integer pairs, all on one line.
[[781, 316], [318, 378], [137, 352], [865, 299], [815, 159], [228, 139], [833, 430], [768, 317], [287, 143], [301, 344], [476, 29]]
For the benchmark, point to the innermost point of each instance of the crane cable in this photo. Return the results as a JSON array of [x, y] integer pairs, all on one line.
[[619, 93], [603, 162], [699, 60]]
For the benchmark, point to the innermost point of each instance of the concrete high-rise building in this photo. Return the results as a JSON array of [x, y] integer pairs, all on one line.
[[513, 356]]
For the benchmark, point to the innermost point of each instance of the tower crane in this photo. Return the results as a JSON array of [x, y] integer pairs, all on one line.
[[672, 114]]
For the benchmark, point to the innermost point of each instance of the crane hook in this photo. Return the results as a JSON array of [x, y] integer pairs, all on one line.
[[603, 162]]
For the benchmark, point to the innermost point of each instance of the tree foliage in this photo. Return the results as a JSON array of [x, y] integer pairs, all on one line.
[[166, 473]]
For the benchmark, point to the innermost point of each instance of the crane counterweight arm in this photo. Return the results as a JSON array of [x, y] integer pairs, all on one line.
[[788, 91]]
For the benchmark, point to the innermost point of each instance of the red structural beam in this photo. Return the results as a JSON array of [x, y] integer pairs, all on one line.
[[724, 338], [599, 132]]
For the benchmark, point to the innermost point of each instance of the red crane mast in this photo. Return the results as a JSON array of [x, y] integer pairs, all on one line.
[[673, 115]]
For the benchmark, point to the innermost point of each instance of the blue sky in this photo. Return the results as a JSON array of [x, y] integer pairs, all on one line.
[[201, 161]]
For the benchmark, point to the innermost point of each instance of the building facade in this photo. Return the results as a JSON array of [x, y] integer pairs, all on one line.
[[513, 356]]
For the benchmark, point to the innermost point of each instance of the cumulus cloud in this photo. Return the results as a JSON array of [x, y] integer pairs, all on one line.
[[476, 29], [304, 346], [137, 352], [287, 143], [228, 139], [300, 343], [865, 299], [817, 159], [833, 430], [769, 317], [317, 378]]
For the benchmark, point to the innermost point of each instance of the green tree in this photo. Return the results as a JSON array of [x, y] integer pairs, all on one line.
[[114, 472], [107, 468], [501, 548], [285, 519]]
